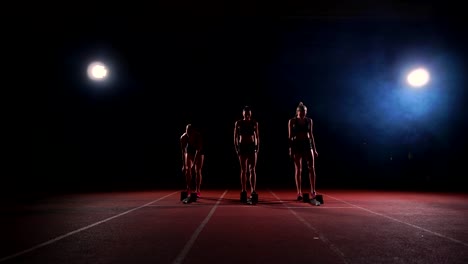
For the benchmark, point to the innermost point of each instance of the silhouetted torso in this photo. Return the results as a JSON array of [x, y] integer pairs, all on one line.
[[194, 142], [300, 127], [246, 130]]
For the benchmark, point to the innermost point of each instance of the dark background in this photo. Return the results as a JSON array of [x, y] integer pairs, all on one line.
[[176, 62]]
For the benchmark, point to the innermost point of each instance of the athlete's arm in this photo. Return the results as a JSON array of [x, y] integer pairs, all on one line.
[[257, 139], [183, 145], [236, 140], [312, 136], [289, 135]]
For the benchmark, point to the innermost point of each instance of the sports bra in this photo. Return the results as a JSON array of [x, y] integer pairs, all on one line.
[[246, 127], [195, 144], [300, 127]]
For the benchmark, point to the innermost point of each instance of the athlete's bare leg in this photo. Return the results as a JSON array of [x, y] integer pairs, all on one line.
[[252, 162], [298, 173], [188, 171], [243, 173], [311, 170], [198, 171]]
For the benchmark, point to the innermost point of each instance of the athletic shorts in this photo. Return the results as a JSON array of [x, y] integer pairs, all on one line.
[[247, 148], [301, 146]]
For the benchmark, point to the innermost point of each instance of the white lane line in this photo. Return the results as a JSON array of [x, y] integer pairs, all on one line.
[[402, 222], [79, 230], [308, 225], [320, 208], [197, 232]]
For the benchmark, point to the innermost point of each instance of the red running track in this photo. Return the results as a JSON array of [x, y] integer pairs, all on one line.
[[357, 226]]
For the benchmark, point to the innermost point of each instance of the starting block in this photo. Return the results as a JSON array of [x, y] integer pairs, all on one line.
[[319, 198], [306, 198], [193, 196], [243, 197], [183, 195], [190, 199], [186, 198], [253, 199]]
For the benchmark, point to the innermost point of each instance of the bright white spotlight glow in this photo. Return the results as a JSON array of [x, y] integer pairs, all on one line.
[[97, 71], [418, 77]]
